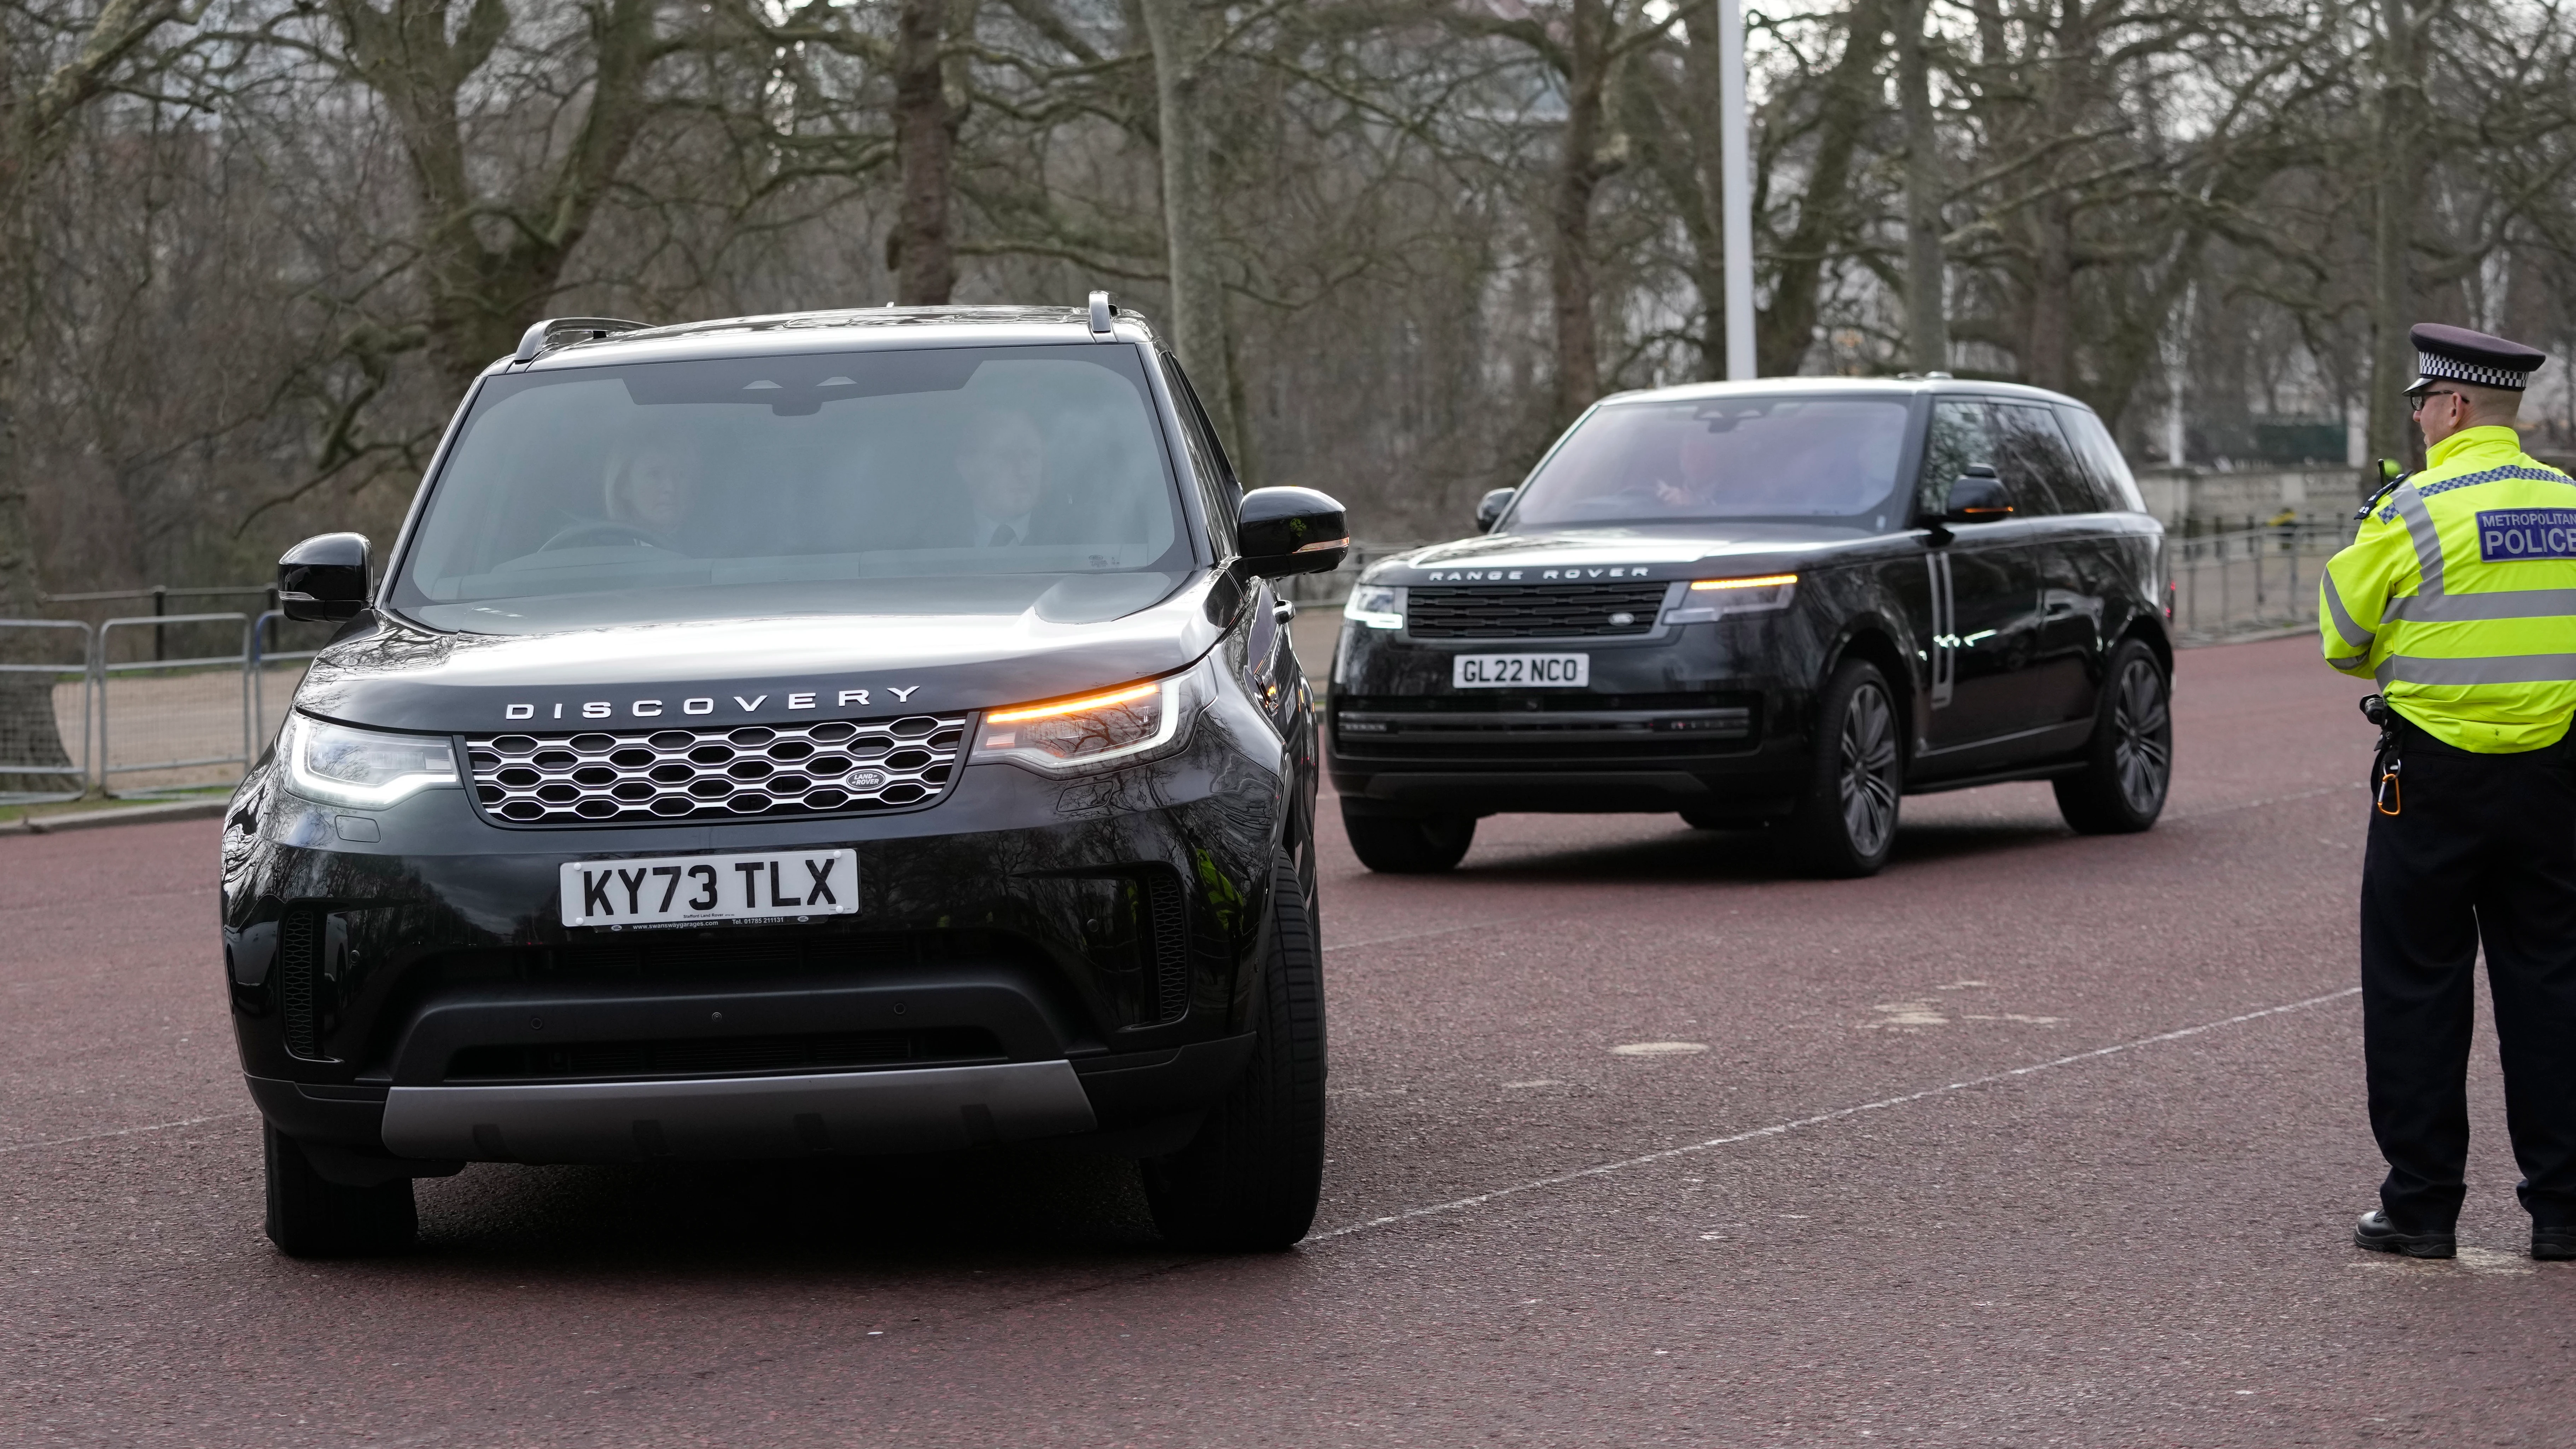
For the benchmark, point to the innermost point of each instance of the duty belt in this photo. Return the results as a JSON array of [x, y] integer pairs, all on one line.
[[2385, 766]]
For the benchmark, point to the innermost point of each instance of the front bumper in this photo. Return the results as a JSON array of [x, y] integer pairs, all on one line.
[[1704, 717], [383, 1132], [1030, 958]]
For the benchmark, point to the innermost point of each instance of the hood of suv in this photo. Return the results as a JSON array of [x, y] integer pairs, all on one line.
[[1605, 554], [756, 671]]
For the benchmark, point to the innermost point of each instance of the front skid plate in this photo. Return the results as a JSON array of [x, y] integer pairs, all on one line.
[[924, 1110]]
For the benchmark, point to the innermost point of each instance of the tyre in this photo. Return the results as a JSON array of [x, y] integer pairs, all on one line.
[[2128, 765], [1846, 823], [1248, 1182], [1409, 844], [312, 1217]]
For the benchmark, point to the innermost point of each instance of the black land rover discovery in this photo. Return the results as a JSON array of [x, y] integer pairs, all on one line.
[[1781, 604], [837, 733]]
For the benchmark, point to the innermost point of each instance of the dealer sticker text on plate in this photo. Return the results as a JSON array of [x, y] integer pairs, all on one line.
[[662, 890], [1522, 671]]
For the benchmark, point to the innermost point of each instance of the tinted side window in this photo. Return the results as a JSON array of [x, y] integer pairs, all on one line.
[[2038, 463], [1962, 434], [2102, 461], [1222, 496]]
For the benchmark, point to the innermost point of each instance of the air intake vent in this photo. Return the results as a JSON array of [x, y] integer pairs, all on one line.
[[1533, 611], [1171, 945], [299, 963]]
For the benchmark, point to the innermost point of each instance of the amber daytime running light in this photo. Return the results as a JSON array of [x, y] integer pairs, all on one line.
[[1121, 725], [1084, 705], [1709, 599]]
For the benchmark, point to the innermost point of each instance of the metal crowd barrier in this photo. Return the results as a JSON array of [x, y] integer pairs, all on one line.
[[2238, 580], [48, 677], [262, 628], [168, 718]]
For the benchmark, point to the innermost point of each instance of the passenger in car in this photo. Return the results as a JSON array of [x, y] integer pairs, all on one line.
[[1002, 460]]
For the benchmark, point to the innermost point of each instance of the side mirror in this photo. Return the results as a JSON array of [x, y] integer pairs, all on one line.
[[1977, 497], [1290, 531], [324, 578], [1489, 509]]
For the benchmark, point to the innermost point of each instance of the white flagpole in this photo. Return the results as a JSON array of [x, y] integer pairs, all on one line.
[[1736, 190]]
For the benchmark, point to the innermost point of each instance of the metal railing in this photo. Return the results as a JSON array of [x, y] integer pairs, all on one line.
[[160, 595], [175, 713], [48, 678], [264, 628], [2243, 579]]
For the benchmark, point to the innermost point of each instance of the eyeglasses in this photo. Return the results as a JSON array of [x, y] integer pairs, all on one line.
[[2423, 398]]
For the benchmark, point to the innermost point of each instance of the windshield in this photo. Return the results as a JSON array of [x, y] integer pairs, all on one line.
[[1777, 458], [929, 481]]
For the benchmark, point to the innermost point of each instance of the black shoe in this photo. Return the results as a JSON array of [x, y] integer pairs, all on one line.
[[2552, 1245], [2379, 1235]]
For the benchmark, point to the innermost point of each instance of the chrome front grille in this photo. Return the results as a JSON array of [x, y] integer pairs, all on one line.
[[680, 774], [1533, 611]]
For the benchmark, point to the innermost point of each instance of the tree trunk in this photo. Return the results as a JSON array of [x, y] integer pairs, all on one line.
[[1851, 104], [33, 128], [925, 132], [2048, 351], [1926, 315], [1578, 177], [1173, 28], [481, 296], [2392, 355]]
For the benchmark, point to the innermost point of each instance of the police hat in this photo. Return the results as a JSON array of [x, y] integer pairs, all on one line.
[[2456, 354]]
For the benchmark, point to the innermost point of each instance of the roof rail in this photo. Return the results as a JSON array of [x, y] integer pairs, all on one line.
[[543, 335], [1101, 314]]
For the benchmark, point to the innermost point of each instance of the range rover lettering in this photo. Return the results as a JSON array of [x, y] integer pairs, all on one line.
[[1782, 604], [852, 733]]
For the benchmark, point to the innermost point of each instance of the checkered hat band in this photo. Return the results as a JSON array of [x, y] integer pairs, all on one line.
[[2433, 364]]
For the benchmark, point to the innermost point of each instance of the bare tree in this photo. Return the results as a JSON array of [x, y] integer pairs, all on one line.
[[34, 127]]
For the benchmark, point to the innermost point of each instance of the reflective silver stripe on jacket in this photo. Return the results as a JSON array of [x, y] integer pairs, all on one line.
[[2469, 608], [2493, 669], [2353, 634], [2426, 538], [2348, 665]]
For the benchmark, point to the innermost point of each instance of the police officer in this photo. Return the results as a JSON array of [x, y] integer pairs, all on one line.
[[2459, 598]]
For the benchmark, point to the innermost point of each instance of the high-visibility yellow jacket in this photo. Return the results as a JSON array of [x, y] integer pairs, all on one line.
[[2459, 596]]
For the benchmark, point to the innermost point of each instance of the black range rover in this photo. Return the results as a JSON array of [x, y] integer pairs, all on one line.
[[835, 733], [1781, 604]]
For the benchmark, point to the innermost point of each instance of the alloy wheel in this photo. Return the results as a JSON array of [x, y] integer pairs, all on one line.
[[2141, 742], [1869, 770]]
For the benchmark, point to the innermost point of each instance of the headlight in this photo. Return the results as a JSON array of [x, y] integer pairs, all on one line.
[[369, 769], [1377, 606], [1126, 725], [1707, 599]]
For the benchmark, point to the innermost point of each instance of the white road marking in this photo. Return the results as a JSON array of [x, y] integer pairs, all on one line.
[[1902, 1014], [1819, 1119], [126, 1131], [1659, 1049]]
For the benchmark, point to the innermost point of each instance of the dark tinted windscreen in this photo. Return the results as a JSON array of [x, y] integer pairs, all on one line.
[[1782, 458], [968, 479]]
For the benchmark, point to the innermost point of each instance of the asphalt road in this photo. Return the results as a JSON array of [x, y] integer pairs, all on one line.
[[2032, 1140]]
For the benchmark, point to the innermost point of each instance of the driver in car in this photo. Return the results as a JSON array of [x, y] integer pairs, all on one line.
[[650, 493], [1693, 487]]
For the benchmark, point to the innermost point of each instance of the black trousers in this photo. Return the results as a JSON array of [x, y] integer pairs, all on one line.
[[2482, 853]]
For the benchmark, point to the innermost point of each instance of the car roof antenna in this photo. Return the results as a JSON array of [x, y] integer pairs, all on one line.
[[1101, 313]]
